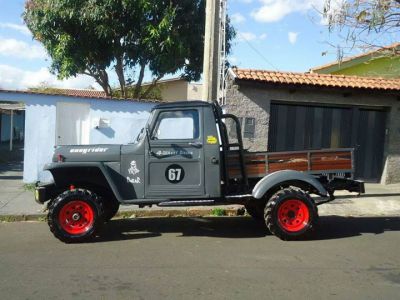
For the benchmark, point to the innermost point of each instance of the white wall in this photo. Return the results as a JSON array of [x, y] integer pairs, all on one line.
[[126, 120], [40, 133]]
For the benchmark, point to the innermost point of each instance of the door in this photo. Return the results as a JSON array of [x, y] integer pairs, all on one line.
[[307, 127], [370, 142], [175, 160], [73, 126]]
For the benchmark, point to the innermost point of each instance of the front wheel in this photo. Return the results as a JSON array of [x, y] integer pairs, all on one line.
[[75, 215], [291, 214], [111, 208]]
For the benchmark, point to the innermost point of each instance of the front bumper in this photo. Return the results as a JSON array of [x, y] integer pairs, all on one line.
[[45, 192]]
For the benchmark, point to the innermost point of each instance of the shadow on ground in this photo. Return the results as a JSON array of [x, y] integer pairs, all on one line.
[[11, 170], [331, 227], [380, 195], [16, 155]]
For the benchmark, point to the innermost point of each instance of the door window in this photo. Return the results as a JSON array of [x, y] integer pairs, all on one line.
[[177, 125]]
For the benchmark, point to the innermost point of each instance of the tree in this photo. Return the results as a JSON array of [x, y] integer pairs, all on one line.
[[126, 37], [367, 24]]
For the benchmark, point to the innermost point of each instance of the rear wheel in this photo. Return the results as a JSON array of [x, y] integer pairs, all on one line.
[[75, 215], [291, 214], [256, 210]]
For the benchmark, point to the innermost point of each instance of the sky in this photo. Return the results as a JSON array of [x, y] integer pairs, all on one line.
[[284, 35]]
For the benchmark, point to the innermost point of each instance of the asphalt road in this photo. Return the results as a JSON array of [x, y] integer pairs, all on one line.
[[203, 258]]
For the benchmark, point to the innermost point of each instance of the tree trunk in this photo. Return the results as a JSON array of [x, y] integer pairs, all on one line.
[[105, 82], [119, 69], [101, 78], [151, 87], [138, 86]]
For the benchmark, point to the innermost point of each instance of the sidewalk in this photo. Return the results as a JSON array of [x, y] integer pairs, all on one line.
[[379, 200]]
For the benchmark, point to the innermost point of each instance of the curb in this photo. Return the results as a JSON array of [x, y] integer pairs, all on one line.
[[161, 213], [23, 218], [140, 213]]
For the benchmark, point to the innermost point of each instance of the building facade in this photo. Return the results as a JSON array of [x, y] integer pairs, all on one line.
[[178, 89], [383, 62], [73, 117], [296, 111]]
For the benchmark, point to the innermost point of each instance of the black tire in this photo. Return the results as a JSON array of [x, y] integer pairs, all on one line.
[[111, 207], [75, 215], [256, 210], [291, 214]]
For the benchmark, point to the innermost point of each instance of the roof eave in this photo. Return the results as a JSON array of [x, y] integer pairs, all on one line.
[[293, 86]]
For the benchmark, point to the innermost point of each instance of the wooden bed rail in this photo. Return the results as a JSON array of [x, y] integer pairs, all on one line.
[[326, 161]]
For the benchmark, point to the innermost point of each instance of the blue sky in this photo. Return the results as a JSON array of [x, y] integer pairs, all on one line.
[[288, 35], [285, 35]]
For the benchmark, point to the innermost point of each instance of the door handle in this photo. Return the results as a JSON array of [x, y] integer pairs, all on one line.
[[195, 144], [214, 161]]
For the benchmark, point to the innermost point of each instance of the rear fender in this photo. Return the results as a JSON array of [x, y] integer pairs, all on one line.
[[287, 177]]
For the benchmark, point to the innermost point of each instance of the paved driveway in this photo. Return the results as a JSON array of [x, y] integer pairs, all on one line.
[[14, 198]]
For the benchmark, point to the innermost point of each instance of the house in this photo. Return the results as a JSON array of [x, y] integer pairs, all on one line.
[[297, 111], [177, 89], [384, 62], [60, 117]]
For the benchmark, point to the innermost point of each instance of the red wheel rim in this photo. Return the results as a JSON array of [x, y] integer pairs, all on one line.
[[293, 215], [76, 217]]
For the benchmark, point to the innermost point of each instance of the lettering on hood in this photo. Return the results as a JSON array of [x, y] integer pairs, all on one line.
[[88, 150]]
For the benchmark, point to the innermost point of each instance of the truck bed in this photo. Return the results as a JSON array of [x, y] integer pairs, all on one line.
[[330, 162]]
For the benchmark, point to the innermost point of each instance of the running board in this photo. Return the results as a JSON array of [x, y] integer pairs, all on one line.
[[186, 203]]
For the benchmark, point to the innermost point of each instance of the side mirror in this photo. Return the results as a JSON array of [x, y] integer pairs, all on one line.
[[148, 140]]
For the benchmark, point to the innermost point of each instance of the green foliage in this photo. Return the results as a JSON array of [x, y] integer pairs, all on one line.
[[218, 212], [95, 37], [29, 187], [154, 94]]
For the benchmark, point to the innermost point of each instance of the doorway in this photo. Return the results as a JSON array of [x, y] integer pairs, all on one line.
[[73, 123]]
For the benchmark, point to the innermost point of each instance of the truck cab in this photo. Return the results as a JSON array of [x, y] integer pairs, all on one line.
[[176, 151]]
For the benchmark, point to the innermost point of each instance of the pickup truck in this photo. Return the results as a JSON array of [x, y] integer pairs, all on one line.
[[184, 156]]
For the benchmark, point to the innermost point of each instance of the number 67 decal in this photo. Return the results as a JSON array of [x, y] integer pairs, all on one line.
[[174, 173]]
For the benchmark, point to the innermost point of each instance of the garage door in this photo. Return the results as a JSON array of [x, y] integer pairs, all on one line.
[[305, 127]]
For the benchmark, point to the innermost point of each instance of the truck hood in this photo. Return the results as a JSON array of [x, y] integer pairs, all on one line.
[[87, 153]]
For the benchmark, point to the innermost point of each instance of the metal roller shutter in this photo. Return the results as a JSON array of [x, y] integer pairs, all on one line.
[[305, 127]]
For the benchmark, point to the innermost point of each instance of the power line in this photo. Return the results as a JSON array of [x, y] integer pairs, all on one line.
[[258, 52]]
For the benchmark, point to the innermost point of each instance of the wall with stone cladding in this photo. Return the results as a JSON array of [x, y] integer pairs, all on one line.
[[253, 100], [251, 103]]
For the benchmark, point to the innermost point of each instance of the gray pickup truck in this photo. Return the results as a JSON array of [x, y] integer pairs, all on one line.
[[184, 157]]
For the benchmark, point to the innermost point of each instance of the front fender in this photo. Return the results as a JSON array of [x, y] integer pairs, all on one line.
[[57, 170], [275, 179]]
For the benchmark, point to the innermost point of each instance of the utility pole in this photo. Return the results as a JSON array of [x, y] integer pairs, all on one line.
[[211, 51]]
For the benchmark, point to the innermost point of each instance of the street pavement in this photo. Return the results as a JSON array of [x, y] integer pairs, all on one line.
[[203, 258], [354, 254]]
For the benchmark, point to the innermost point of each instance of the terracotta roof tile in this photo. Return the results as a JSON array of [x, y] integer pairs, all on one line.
[[82, 93], [320, 80]]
